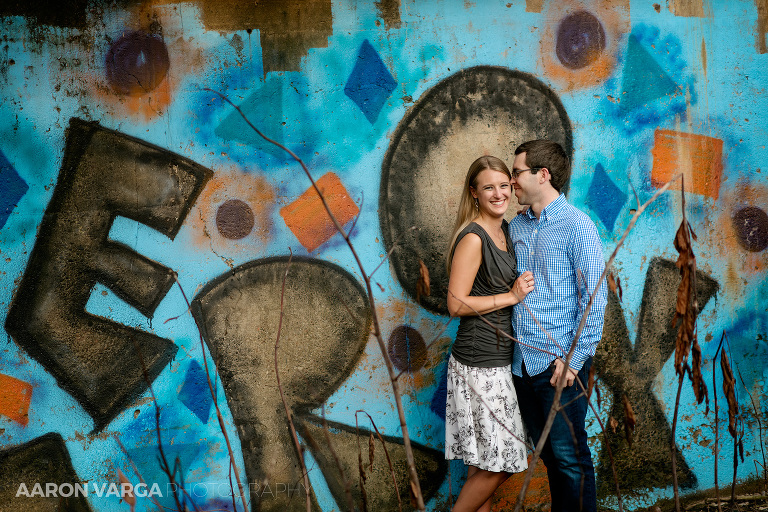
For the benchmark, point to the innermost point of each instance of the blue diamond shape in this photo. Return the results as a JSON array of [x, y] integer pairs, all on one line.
[[12, 189], [605, 198], [370, 83], [195, 393], [437, 405]]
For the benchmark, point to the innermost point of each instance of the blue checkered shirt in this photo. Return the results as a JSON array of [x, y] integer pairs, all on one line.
[[553, 247]]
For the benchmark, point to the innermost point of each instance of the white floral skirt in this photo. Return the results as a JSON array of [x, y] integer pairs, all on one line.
[[480, 403]]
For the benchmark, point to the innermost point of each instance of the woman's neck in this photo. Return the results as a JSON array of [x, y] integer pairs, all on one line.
[[488, 222]]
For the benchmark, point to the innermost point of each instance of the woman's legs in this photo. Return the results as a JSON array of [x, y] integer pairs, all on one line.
[[475, 495]]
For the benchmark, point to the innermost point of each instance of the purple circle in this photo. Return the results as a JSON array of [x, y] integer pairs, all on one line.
[[137, 63], [580, 40], [407, 349], [751, 225], [234, 219]]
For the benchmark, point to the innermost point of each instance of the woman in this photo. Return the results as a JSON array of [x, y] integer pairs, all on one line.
[[483, 424]]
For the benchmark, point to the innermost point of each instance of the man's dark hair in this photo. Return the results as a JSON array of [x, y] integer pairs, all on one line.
[[547, 153]]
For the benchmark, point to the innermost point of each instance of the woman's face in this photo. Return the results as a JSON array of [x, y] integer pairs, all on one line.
[[492, 191]]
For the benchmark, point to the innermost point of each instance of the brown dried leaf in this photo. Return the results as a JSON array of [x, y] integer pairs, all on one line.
[[685, 310], [590, 381], [361, 469], [614, 283], [729, 388], [629, 420], [598, 395], [613, 424], [422, 285], [699, 386], [414, 501], [371, 450]]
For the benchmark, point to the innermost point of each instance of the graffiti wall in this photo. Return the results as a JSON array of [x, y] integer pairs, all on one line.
[[182, 317]]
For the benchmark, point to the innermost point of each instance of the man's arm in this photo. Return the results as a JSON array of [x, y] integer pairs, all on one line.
[[588, 262]]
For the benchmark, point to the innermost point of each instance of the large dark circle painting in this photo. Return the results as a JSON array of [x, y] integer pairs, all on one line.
[[482, 110], [137, 63]]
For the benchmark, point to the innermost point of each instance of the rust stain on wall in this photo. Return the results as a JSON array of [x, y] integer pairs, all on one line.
[[534, 5], [762, 25], [288, 29], [154, 31], [723, 236], [506, 496], [687, 8], [389, 11]]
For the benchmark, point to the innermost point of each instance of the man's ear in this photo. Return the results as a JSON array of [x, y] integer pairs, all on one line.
[[544, 171]]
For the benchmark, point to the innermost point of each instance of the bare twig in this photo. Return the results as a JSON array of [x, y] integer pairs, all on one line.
[[673, 443], [386, 454], [163, 461], [135, 470], [297, 445], [214, 395], [582, 323], [414, 478], [717, 427], [344, 480], [759, 425]]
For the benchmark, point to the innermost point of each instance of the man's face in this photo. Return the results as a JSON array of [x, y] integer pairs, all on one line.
[[526, 185]]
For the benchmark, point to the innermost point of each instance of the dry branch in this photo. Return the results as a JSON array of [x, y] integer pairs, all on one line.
[[297, 445], [415, 486]]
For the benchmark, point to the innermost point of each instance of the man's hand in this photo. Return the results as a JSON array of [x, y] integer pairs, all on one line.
[[569, 377]]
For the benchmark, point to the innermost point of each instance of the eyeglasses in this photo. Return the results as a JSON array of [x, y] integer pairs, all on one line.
[[518, 172]]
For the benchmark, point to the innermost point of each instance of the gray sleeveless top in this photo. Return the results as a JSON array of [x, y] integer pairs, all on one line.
[[477, 343]]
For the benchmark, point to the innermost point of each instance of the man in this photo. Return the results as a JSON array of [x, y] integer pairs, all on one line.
[[561, 246]]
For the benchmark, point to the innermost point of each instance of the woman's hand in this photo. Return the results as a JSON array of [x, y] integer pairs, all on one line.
[[523, 285]]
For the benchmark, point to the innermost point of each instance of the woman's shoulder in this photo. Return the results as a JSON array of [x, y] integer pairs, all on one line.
[[472, 227]]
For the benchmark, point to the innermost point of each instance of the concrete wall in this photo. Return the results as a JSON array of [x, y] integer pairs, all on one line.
[[145, 232]]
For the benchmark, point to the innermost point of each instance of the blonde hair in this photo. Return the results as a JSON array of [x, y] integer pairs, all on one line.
[[467, 210]]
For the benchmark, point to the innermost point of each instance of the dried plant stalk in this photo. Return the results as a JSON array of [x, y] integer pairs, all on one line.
[[561, 381], [297, 445], [413, 475]]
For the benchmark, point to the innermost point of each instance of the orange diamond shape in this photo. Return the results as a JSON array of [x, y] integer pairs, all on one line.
[[306, 217], [15, 397]]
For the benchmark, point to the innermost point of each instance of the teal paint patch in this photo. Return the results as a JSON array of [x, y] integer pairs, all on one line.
[[647, 94], [644, 80], [279, 110]]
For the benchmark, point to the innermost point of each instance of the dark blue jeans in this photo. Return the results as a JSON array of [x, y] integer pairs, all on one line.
[[566, 453]]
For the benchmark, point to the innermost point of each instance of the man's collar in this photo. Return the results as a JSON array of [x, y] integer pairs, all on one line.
[[552, 209]]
